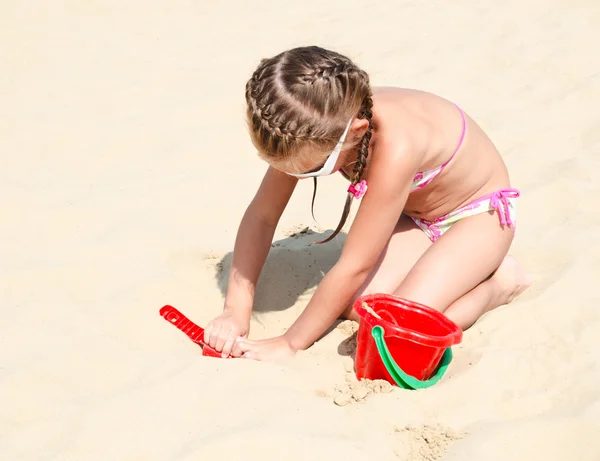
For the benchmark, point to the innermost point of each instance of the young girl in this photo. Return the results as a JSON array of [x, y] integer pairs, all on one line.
[[437, 214]]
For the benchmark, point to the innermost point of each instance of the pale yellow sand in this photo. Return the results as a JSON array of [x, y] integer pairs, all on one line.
[[126, 168]]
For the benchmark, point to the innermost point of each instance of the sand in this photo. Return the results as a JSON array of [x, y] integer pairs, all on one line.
[[126, 168]]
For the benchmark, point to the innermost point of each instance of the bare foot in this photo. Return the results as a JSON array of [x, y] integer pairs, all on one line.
[[510, 280]]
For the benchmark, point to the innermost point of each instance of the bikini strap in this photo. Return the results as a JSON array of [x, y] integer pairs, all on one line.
[[460, 141], [499, 202]]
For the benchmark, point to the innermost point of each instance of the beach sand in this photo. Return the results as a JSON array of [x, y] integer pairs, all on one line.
[[126, 168]]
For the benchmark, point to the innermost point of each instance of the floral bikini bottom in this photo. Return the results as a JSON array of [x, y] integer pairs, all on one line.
[[502, 201]]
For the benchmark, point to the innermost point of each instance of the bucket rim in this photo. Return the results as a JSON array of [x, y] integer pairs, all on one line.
[[453, 337]]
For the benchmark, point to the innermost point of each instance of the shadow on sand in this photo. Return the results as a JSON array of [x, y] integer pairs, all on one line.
[[293, 267]]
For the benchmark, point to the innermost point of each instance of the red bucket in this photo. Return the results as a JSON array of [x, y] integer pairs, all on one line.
[[411, 341]]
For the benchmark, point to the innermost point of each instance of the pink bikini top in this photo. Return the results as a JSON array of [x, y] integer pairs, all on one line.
[[423, 178]]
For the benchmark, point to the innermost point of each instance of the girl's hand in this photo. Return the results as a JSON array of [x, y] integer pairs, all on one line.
[[268, 350], [222, 333]]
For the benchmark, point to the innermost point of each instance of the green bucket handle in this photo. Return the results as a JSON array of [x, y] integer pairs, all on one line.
[[403, 379]]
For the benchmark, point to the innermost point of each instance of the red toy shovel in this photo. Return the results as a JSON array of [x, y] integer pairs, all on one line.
[[193, 331]]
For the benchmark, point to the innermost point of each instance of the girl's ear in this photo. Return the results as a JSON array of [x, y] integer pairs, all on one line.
[[359, 127]]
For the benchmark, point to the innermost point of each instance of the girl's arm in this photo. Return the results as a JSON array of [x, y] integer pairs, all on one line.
[[390, 178], [254, 237], [252, 245]]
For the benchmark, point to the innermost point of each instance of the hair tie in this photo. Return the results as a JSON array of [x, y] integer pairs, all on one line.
[[358, 189]]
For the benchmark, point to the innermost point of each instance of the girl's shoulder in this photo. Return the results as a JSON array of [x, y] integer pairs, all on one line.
[[402, 119], [409, 116], [409, 122]]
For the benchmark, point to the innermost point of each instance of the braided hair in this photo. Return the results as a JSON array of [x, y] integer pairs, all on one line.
[[300, 101]]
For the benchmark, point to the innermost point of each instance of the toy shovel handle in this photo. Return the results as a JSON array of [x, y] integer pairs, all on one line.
[[403, 379], [193, 331]]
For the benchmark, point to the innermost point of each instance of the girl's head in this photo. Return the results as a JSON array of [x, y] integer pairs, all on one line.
[[309, 105]]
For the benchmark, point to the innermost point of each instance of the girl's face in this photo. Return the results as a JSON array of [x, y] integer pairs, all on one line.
[[338, 158]]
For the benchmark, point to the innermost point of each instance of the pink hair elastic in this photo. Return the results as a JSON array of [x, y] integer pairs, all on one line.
[[358, 189]]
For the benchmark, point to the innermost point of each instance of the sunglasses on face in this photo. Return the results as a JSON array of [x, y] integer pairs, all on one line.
[[329, 164]]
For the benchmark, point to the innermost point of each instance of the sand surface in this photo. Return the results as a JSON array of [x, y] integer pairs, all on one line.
[[126, 168]]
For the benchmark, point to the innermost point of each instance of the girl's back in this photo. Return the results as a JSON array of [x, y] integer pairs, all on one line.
[[429, 124]]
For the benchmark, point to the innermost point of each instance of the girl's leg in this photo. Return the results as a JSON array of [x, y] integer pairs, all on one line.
[[506, 283], [406, 245], [453, 276]]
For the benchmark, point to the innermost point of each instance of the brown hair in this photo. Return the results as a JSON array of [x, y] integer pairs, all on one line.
[[300, 101]]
